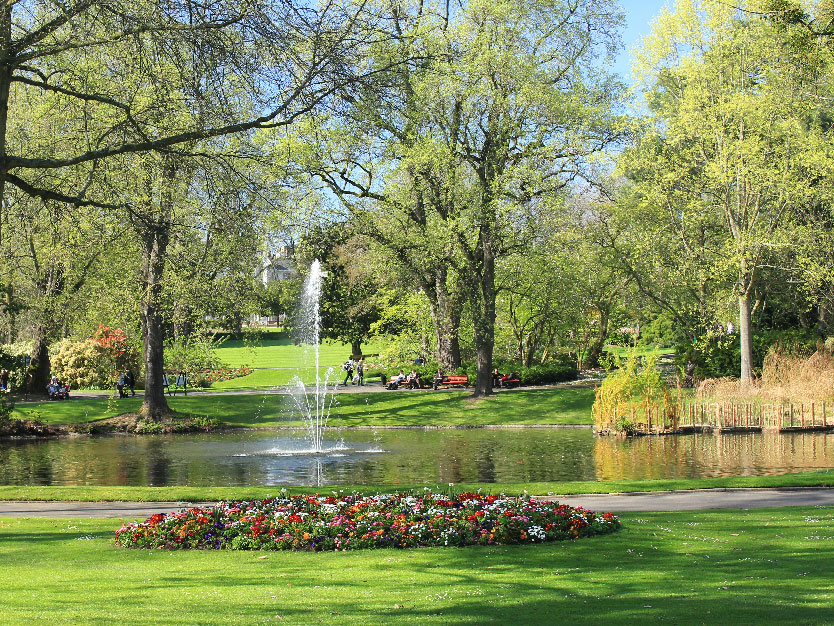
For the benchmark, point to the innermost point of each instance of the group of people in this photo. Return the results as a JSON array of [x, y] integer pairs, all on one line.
[[126, 382], [56, 390], [505, 380], [354, 371], [180, 382], [411, 380]]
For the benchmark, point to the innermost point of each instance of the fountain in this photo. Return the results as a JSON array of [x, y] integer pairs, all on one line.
[[314, 403]]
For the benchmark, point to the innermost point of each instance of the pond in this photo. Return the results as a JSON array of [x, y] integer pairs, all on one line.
[[404, 456]]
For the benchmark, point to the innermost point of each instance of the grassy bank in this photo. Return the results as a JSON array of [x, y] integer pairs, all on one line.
[[822, 478], [719, 567], [396, 408]]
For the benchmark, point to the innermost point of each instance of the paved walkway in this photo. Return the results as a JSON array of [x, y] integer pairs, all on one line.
[[698, 499]]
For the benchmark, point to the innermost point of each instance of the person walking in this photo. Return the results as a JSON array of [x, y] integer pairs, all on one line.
[[348, 367], [120, 386], [182, 382], [130, 382], [4, 380], [360, 372]]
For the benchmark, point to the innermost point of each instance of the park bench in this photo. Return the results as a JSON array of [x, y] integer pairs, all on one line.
[[454, 381], [509, 383]]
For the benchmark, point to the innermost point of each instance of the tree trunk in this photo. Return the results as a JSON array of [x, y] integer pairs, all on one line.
[[356, 348], [154, 245], [37, 376], [745, 333], [484, 319], [6, 70], [592, 360], [445, 313]]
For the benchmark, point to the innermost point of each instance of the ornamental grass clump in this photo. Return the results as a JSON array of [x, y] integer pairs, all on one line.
[[632, 393], [354, 522]]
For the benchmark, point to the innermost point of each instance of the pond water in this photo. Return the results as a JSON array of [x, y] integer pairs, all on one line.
[[408, 456]]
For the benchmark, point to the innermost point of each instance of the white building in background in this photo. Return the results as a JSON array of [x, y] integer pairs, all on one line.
[[274, 267]]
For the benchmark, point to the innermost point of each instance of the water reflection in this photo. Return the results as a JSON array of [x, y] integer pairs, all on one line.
[[404, 456]]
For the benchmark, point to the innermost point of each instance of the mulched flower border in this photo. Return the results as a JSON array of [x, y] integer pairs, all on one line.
[[353, 522]]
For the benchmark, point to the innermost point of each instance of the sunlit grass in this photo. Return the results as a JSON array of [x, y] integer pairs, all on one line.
[[716, 567], [402, 408]]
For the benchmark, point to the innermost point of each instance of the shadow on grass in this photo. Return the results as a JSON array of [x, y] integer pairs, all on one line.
[[722, 567]]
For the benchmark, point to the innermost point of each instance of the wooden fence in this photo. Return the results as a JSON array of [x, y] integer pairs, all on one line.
[[729, 417]]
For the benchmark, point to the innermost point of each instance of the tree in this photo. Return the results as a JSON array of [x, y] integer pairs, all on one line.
[[234, 67], [499, 110], [729, 136], [351, 299]]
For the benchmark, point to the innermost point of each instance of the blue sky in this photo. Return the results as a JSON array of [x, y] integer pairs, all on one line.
[[639, 14]]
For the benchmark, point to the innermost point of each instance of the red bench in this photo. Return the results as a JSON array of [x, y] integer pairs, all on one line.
[[510, 382], [454, 381]]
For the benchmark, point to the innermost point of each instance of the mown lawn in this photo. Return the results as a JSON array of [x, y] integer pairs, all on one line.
[[395, 408], [819, 478], [714, 567], [279, 351]]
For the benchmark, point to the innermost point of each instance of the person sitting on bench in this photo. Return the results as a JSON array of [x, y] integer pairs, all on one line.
[[439, 378], [413, 380], [395, 381]]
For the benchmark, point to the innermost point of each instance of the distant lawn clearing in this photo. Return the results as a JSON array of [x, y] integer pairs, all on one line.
[[717, 567], [277, 350], [395, 408]]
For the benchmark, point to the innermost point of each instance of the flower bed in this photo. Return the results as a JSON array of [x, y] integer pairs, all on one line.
[[354, 522], [207, 377]]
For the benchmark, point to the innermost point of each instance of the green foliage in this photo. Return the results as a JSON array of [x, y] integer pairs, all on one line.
[[661, 331], [557, 370], [192, 355], [94, 362], [637, 384], [6, 408], [716, 354], [13, 359]]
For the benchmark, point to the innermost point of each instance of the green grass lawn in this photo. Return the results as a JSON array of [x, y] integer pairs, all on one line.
[[819, 478], [715, 567], [402, 408], [278, 351]]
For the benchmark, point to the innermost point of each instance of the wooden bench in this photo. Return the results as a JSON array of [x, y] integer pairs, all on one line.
[[454, 381], [509, 383]]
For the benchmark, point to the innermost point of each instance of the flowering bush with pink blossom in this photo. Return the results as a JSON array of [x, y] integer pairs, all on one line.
[[354, 522]]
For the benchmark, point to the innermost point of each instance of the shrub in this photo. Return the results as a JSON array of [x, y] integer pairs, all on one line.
[[121, 352], [13, 359], [559, 369], [82, 364], [196, 354], [94, 362], [630, 390], [317, 523], [717, 354]]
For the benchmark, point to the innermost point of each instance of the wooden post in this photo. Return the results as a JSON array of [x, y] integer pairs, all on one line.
[[824, 418], [802, 413], [791, 414], [813, 416]]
